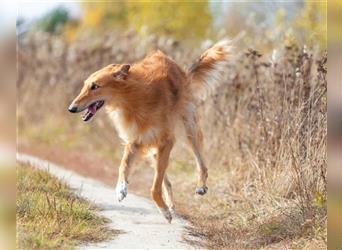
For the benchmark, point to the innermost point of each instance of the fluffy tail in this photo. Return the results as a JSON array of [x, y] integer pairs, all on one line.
[[207, 73]]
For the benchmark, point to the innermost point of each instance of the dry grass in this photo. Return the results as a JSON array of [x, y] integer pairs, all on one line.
[[51, 216], [266, 142], [265, 133]]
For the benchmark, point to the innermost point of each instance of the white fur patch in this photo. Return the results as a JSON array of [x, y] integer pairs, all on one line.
[[129, 132], [152, 152], [121, 190]]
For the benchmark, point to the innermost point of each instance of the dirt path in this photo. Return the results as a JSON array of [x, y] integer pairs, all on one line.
[[142, 225]]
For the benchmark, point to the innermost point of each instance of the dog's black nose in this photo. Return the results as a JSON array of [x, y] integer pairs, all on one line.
[[72, 109]]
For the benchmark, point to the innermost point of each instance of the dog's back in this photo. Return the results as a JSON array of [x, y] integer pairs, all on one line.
[[159, 71], [204, 75]]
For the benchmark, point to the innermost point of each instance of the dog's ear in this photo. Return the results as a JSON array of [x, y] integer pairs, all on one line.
[[122, 73]]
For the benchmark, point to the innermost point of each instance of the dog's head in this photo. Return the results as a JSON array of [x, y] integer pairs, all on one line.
[[99, 88]]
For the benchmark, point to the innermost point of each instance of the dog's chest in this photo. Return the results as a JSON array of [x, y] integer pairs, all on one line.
[[130, 132]]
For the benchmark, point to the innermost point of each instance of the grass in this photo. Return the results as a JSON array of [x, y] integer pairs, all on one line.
[[7, 207], [247, 219], [51, 216]]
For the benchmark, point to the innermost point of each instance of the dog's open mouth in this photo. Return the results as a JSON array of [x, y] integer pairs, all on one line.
[[91, 110]]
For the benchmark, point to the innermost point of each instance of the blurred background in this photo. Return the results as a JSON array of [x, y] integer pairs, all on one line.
[[265, 127], [7, 125], [335, 124]]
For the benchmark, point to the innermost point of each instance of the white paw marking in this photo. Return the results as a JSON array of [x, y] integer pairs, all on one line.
[[121, 190], [172, 210], [167, 214], [201, 190]]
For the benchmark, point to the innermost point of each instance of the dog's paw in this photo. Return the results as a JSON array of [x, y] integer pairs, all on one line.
[[121, 190], [201, 190], [167, 214], [172, 210]]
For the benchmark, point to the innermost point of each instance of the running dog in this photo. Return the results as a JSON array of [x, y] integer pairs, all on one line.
[[147, 101]]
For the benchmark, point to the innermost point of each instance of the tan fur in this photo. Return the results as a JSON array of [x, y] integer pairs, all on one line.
[[149, 101]]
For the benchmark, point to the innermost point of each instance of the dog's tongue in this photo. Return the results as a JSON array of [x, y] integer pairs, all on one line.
[[92, 109], [90, 112]]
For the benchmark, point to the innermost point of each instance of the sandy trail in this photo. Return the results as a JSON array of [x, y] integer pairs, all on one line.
[[142, 225]]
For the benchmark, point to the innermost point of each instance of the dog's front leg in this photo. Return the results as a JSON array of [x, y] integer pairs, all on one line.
[[130, 153]]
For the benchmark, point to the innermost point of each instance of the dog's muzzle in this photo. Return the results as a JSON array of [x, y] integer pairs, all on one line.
[[72, 109]]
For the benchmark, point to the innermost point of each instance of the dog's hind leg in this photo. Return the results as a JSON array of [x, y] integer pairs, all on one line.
[[162, 161], [130, 153], [167, 187], [195, 140], [168, 194]]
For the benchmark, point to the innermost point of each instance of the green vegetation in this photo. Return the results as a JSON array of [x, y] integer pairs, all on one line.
[[157, 17], [54, 21], [195, 20], [312, 23], [51, 216], [171, 18]]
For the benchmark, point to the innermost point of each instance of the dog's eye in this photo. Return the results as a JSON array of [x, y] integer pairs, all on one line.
[[94, 86]]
